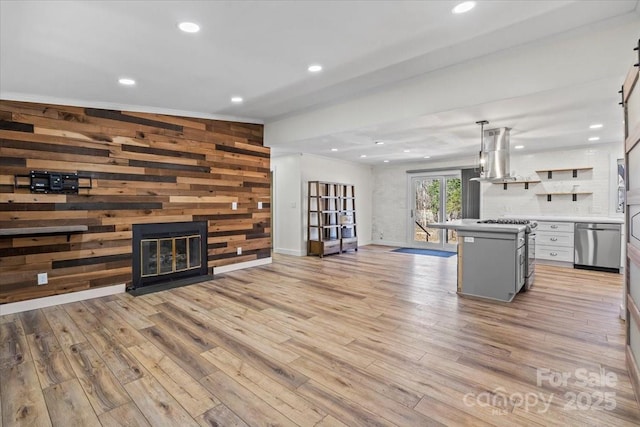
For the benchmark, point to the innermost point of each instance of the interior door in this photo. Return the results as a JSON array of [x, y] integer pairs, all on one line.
[[434, 199]]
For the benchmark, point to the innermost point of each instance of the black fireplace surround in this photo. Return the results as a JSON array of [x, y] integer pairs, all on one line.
[[166, 255]]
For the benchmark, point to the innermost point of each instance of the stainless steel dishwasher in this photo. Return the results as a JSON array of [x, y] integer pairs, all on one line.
[[597, 246]]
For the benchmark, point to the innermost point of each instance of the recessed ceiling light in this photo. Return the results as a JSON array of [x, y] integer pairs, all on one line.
[[189, 27], [519, 147], [236, 99], [126, 81], [406, 151], [315, 68], [594, 138], [386, 161], [596, 126], [363, 155], [334, 149], [379, 143], [426, 157], [464, 7]]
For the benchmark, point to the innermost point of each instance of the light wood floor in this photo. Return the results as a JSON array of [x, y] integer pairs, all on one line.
[[372, 338]]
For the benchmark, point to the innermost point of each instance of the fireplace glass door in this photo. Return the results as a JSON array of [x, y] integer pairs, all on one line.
[[169, 255]]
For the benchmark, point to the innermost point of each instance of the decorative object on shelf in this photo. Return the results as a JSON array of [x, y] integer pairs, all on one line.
[[621, 188]]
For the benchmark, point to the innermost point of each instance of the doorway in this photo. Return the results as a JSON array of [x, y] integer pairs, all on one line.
[[434, 198]]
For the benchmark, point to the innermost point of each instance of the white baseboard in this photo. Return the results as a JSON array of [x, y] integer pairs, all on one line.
[[623, 313], [289, 252], [390, 243], [33, 304], [241, 265]]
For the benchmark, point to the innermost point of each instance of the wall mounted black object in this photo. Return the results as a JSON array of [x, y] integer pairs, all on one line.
[[52, 182]]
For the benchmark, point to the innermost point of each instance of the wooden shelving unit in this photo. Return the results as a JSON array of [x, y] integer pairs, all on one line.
[[331, 218]]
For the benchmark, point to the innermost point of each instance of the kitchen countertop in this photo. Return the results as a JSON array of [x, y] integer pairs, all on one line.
[[472, 225], [568, 218]]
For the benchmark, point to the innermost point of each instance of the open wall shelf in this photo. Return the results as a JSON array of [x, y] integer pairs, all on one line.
[[574, 195], [550, 172]]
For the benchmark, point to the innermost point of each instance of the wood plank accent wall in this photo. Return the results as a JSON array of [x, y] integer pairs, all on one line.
[[146, 168]]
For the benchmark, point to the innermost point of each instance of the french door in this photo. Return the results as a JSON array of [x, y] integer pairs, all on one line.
[[434, 198]]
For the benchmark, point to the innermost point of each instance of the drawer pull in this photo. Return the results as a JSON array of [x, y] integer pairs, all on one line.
[[554, 254], [554, 239], [554, 226]]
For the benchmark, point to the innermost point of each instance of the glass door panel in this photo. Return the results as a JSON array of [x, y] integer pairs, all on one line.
[[434, 199], [426, 209]]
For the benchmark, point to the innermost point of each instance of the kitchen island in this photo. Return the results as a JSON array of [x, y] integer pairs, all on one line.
[[492, 261]]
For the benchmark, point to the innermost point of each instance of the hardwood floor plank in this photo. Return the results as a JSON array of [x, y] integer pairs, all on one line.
[[125, 333], [156, 403], [220, 416], [22, 400], [393, 411], [68, 405], [52, 365], [34, 321], [184, 388], [119, 360], [249, 407], [101, 387], [14, 349], [294, 407], [65, 329], [127, 415]]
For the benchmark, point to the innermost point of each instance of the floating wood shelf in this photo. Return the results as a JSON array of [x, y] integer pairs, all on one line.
[[525, 182], [574, 194], [31, 231], [575, 171]]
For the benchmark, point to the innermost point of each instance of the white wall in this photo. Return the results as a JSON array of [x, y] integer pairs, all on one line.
[[286, 209], [291, 175], [601, 181], [390, 198]]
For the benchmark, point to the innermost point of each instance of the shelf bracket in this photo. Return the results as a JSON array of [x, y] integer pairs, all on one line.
[[575, 173], [504, 186], [549, 174], [549, 196], [526, 185], [574, 197]]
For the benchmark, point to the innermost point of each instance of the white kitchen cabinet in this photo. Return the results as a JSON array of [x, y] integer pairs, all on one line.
[[554, 241]]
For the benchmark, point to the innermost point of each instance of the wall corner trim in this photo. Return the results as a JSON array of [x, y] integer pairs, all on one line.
[[36, 303]]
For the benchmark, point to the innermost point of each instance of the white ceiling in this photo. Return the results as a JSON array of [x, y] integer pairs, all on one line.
[[74, 52]]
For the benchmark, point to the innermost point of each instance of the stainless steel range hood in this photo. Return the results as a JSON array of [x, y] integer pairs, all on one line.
[[494, 156]]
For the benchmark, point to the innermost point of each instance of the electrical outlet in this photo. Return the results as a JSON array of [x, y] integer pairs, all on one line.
[[234, 206], [259, 205], [43, 278], [238, 251]]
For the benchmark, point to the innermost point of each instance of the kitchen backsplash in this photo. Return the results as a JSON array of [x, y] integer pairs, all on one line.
[[600, 181]]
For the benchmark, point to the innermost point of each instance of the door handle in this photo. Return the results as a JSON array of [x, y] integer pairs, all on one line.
[[554, 254], [554, 239], [554, 226], [411, 213]]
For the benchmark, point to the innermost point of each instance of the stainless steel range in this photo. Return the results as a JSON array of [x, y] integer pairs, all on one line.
[[530, 247]]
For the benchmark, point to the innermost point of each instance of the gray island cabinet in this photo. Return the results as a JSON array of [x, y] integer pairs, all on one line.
[[491, 258]]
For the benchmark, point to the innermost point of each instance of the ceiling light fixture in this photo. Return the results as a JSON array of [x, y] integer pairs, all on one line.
[[596, 126], [126, 81], [315, 68], [594, 138], [334, 149], [236, 99], [463, 7], [386, 161], [519, 147], [406, 151], [379, 143], [363, 156], [189, 27], [426, 157]]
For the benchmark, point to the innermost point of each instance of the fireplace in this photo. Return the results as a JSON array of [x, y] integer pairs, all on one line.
[[167, 255]]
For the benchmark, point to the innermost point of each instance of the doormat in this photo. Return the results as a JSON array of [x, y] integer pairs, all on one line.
[[430, 252]]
